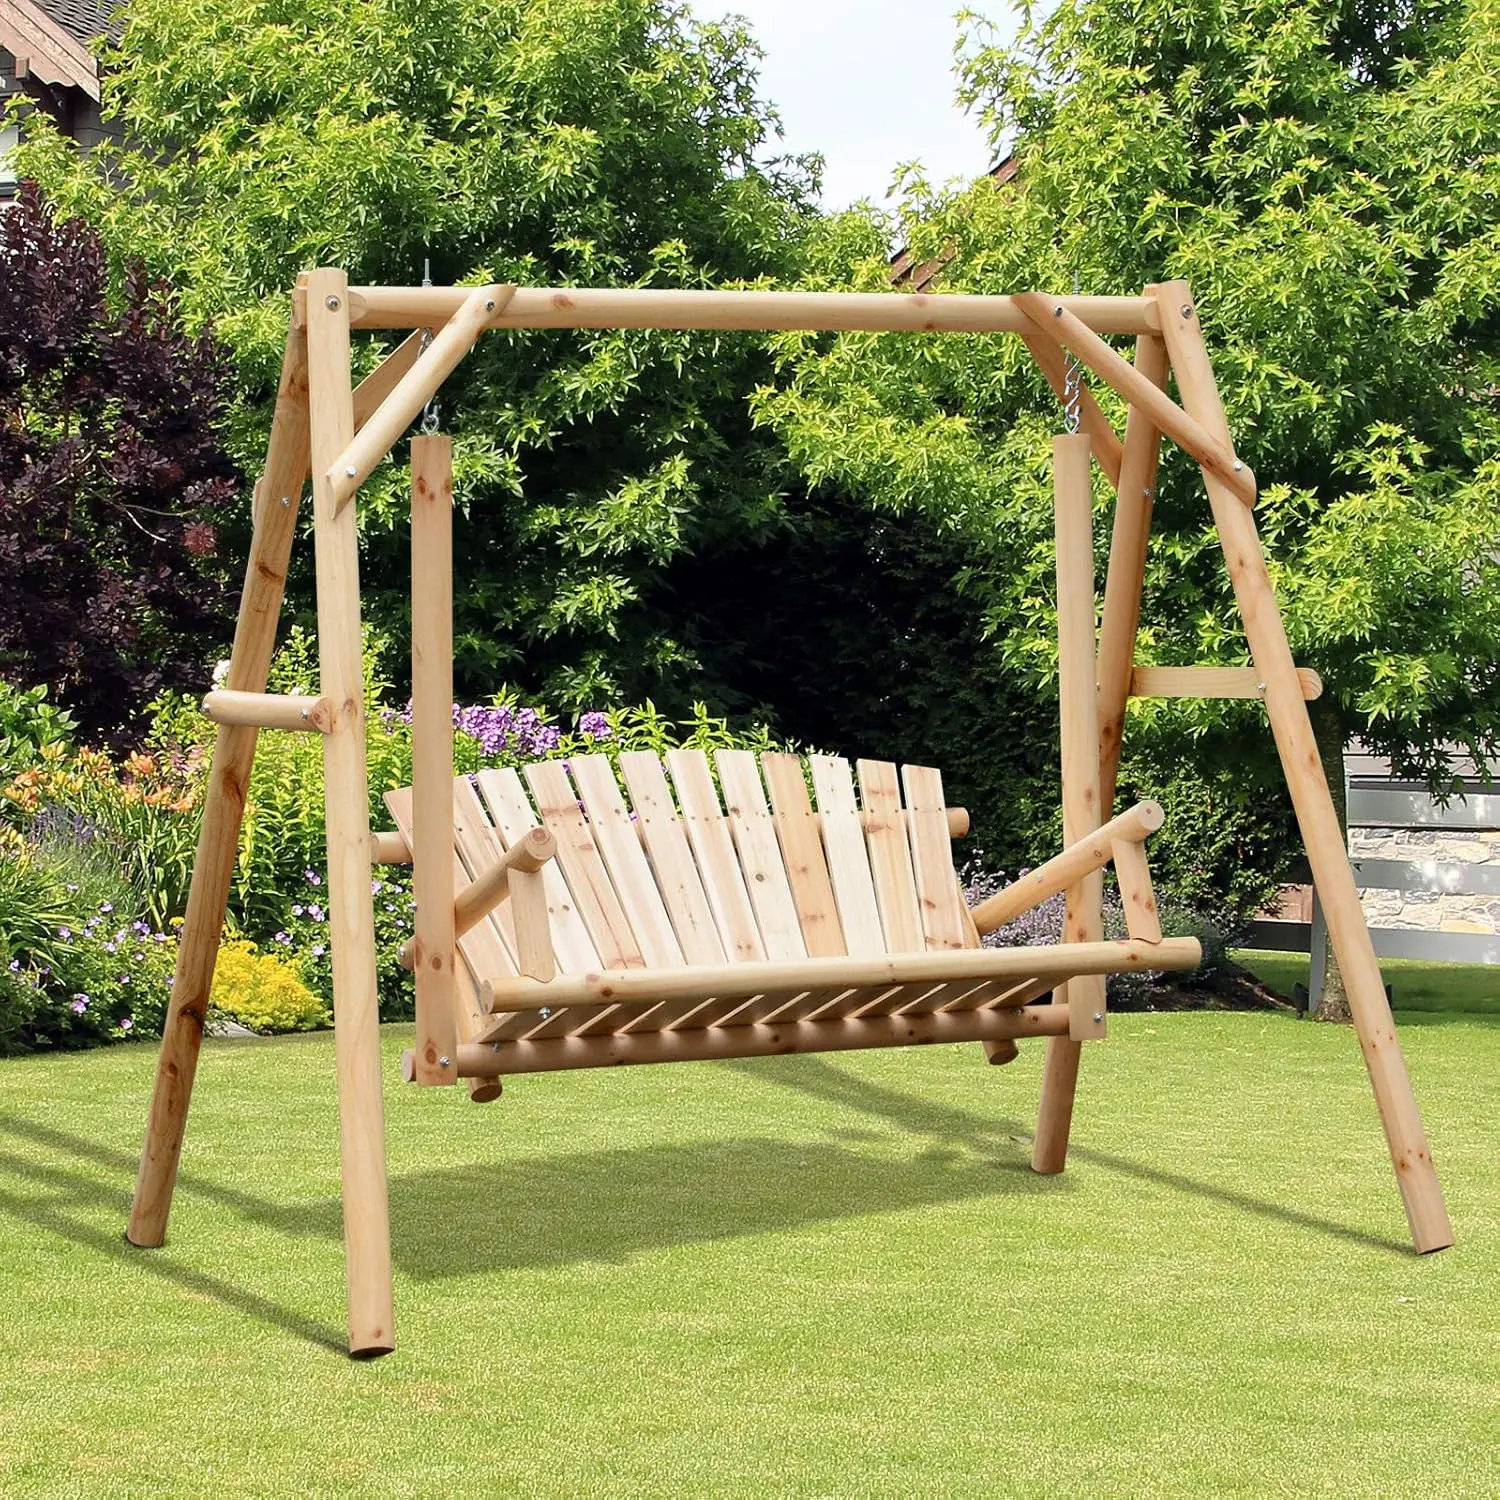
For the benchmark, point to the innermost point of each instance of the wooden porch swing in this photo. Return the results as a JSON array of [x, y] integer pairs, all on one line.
[[567, 921]]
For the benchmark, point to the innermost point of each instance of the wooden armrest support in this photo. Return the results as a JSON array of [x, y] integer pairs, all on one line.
[[1076, 861]]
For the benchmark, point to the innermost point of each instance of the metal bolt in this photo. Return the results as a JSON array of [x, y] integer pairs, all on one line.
[[1098, 1015], [1238, 466], [490, 305], [1187, 309], [442, 1062], [305, 714], [1057, 311], [1260, 687], [545, 1011], [286, 501], [1148, 492], [331, 303], [351, 471]]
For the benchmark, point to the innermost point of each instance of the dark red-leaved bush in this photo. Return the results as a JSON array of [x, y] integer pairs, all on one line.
[[113, 468]]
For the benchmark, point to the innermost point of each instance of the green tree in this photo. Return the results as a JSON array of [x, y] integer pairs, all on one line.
[[1325, 176], [549, 142]]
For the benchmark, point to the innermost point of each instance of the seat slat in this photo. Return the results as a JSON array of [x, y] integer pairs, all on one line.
[[890, 858], [478, 847], [588, 879], [802, 853], [848, 861], [760, 855], [511, 811], [932, 859], [671, 858], [626, 861], [713, 848]]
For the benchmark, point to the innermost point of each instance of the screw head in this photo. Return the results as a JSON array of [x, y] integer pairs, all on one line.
[[331, 303], [286, 501], [1186, 309], [1098, 1015], [489, 306], [443, 1062], [1238, 466], [545, 1012], [1057, 311], [303, 713], [351, 471], [1260, 687]]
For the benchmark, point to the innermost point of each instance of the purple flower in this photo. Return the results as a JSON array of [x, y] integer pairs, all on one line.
[[80, 1004], [281, 938], [297, 910], [66, 934], [15, 966], [376, 886], [126, 1024], [318, 950], [315, 912], [312, 877], [109, 947], [595, 726], [107, 907]]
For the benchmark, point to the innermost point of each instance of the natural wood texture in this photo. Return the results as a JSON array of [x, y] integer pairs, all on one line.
[[479, 847], [760, 855], [767, 1040], [1134, 494], [713, 847], [1052, 360], [1051, 316], [1090, 853], [666, 845], [583, 866], [269, 711], [351, 918], [435, 931], [626, 860], [1211, 682], [389, 847], [484, 953], [642, 987], [528, 903], [1137, 895], [1326, 850], [890, 856], [371, 392], [224, 802], [1077, 698], [352, 465], [800, 833], [848, 861], [607, 307], [938, 897]]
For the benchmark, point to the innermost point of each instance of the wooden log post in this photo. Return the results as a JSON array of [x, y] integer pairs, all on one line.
[[1326, 849], [275, 511], [1079, 733], [434, 941], [351, 914]]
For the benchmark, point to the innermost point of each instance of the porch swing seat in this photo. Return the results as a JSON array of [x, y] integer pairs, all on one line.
[[660, 924]]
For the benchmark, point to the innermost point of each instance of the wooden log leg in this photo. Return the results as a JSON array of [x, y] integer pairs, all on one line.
[[1084, 995], [351, 913], [275, 511], [1326, 850], [1127, 570]]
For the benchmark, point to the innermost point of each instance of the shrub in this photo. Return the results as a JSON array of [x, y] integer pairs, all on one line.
[[260, 991]]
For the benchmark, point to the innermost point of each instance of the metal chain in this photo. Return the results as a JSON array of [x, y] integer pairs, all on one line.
[[430, 411], [1073, 385]]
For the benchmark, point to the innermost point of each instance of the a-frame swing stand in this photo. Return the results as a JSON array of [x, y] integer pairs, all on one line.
[[338, 434]]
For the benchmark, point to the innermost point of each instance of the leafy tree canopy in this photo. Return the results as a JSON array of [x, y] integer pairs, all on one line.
[[1325, 176], [547, 142]]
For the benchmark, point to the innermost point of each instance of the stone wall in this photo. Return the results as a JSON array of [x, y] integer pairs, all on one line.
[[1429, 911]]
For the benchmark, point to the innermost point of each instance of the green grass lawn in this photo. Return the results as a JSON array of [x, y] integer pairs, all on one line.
[[1420, 991], [795, 1276]]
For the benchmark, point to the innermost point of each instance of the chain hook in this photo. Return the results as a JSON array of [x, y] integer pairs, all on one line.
[[430, 411], [1073, 385]]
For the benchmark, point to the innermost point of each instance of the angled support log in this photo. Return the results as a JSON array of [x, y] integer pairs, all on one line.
[[359, 455], [1053, 363], [1212, 682], [1303, 767], [269, 711], [1052, 318], [356, 1017], [1127, 568], [224, 801]]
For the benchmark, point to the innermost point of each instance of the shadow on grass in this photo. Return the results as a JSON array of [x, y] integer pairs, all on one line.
[[917, 1116]]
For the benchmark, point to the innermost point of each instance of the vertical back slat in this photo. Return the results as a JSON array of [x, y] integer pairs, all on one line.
[[932, 859], [478, 847], [511, 810], [890, 859], [848, 861], [802, 853], [583, 867], [713, 848], [671, 858], [760, 855], [626, 861]]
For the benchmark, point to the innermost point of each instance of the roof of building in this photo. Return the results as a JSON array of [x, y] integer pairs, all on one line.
[[84, 20]]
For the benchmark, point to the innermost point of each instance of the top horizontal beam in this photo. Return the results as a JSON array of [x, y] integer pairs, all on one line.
[[634, 307]]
